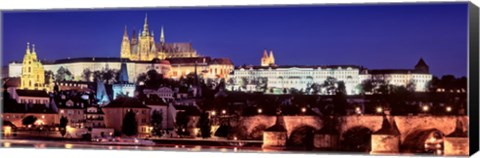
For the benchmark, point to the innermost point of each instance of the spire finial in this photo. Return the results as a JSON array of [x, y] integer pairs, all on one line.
[[162, 36], [28, 47], [33, 48], [125, 31]]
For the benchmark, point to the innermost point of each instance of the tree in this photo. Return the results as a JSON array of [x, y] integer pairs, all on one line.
[[62, 74], [329, 85], [204, 124], [86, 75], [156, 122], [48, 73], [29, 120], [129, 126], [316, 88], [181, 121], [63, 125]]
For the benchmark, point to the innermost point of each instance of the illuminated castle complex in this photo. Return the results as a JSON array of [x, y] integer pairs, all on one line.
[[142, 46]]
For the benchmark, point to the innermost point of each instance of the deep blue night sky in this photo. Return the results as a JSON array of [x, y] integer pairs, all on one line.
[[374, 36]]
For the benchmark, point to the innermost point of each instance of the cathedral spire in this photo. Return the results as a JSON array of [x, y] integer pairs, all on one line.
[[162, 36], [125, 34], [145, 26]]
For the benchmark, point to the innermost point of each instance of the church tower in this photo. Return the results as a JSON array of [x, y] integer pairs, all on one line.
[[271, 58], [265, 59], [33, 73], [123, 87], [162, 36], [422, 67], [145, 42], [125, 48]]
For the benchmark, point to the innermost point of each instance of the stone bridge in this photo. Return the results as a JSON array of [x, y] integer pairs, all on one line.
[[253, 126]]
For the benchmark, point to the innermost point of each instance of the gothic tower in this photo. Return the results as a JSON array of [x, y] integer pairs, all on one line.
[[123, 87], [271, 58], [265, 59], [145, 42], [125, 48]]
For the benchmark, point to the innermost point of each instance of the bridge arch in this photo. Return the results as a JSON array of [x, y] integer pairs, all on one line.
[[424, 141], [301, 137], [257, 132], [357, 138]]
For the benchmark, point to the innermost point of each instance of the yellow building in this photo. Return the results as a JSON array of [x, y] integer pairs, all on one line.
[[142, 47], [267, 60], [33, 73]]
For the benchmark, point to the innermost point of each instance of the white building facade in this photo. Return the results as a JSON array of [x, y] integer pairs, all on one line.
[[281, 79]]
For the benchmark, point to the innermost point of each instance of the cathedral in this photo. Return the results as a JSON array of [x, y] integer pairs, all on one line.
[[142, 46], [267, 60], [33, 73]]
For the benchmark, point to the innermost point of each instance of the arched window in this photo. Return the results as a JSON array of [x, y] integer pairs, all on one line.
[[29, 69]]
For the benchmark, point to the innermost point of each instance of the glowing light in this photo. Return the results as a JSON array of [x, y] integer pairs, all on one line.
[[213, 113], [379, 110], [39, 122], [43, 116], [224, 111], [6, 144], [425, 108], [235, 149], [235, 138], [68, 146], [7, 130], [304, 110], [449, 109], [358, 110], [70, 129], [259, 111]]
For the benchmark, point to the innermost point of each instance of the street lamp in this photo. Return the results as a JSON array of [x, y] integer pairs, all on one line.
[[425, 108], [259, 111], [224, 112], [304, 110], [213, 113], [379, 109], [358, 110], [449, 109]]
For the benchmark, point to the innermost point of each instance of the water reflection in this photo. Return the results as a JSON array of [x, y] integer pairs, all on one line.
[[40, 145], [6, 145], [68, 146]]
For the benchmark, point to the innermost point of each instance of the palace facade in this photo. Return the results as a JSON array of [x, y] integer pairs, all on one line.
[[273, 79]]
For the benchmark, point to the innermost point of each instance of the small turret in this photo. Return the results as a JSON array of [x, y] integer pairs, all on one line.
[[162, 36]]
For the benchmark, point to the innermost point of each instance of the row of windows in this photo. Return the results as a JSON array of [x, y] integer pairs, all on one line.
[[34, 101]]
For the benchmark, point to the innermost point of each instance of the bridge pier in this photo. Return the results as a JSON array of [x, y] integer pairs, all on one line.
[[387, 139], [456, 143], [275, 137], [327, 138]]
